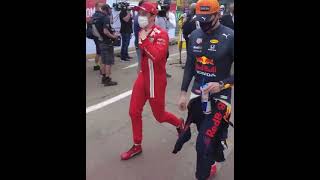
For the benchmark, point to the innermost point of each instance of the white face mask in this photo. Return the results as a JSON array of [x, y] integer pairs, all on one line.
[[143, 21]]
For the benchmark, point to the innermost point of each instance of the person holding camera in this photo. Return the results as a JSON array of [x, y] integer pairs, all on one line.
[[126, 31], [165, 19], [151, 81], [107, 36], [136, 29]]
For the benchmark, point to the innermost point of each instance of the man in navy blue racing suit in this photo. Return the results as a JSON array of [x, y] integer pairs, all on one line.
[[209, 59]]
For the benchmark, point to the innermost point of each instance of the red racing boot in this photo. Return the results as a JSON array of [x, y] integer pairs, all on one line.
[[135, 150]]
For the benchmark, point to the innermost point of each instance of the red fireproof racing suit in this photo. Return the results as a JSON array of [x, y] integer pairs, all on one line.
[[151, 82]]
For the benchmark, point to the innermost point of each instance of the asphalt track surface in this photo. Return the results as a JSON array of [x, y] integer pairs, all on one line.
[[108, 130]]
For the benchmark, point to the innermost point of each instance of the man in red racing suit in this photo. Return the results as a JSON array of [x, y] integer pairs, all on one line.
[[151, 82]]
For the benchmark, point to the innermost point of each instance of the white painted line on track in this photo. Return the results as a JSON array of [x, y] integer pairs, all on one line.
[[107, 102], [130, 66], [120, 96], [131, 52], [169, 59]]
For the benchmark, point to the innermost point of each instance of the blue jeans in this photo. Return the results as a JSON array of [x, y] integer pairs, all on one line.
[[125, 44]]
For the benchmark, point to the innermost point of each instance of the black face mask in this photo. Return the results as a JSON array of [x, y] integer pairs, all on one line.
[[207, 25]]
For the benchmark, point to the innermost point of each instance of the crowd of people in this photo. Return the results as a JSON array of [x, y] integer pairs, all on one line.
[[208, 31], [102, 29]]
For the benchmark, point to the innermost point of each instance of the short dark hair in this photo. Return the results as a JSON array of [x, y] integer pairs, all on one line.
[[105, 7]]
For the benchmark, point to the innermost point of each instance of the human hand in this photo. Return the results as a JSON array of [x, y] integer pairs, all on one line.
[[213, 87], [182, 103], [143, 34]]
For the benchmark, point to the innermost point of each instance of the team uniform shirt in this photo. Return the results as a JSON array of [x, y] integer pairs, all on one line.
[[209, 59]]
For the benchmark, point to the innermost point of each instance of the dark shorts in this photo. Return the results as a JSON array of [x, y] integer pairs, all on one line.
[[107, 53], [96, 42]]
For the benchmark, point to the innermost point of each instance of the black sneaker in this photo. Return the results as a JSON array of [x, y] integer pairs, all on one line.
[[104, 80], [129, 57], [168, 75], [96, 68], [110, 83]]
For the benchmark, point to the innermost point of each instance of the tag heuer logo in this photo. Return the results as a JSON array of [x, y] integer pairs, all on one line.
[[204, 8], [214, 41]]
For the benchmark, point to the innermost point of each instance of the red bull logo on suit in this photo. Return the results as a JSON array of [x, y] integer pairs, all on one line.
[[205, 66]]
